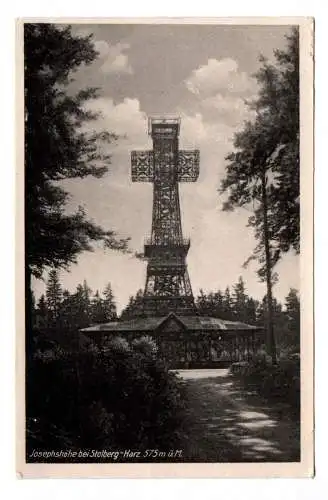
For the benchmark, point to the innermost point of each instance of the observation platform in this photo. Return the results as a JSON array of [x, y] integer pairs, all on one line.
[[177, 247]]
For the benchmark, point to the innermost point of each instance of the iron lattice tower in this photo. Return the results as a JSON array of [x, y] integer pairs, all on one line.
[[167, 284]]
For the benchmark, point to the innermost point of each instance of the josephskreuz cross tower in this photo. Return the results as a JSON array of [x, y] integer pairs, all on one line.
[[185, 339], [167, 286]]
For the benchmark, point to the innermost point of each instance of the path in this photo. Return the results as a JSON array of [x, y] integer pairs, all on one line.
[[227, 424]]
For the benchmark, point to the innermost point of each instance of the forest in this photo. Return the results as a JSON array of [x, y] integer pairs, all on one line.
[[60, 314]]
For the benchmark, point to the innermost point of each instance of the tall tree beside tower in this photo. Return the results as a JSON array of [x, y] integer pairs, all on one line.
[[58, 147], [263, 170]]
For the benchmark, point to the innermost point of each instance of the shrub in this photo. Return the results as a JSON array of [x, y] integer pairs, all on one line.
[[278, 383], [120, 396]]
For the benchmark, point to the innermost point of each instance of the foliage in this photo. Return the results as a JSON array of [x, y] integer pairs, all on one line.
[[119, 396], [293, 312], [277, 383], [145, 345], [232, 306], [239, 306], [279, 99], [53, 298], [109, 305], [41, 313], [263, 171], [270, 145], [58, 147], [212, 304], [83, 308], [61, 314], [134, 308]]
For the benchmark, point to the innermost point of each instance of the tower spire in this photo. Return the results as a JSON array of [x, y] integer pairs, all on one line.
[[167, 286]]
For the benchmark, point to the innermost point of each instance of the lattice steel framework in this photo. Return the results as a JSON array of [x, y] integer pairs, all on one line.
[[167, 284]]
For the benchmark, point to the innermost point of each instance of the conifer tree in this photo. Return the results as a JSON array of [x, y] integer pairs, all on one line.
[[263, 171], [41, 313], [98, 314], [218, 307], [293, 312], [251, 311], [227, 305], [53, 298], [109, 303], [239, 301], [134, 307], [58, 147], [82, 305]]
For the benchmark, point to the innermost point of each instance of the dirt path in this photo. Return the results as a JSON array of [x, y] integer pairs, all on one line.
[[227, 424]]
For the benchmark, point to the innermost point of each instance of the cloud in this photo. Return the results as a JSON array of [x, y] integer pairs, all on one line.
[[113, 58], [221, 91], [124, 118], [195, 129], [219, 76], [232, 110]]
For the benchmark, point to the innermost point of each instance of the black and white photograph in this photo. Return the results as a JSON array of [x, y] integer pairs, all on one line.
[[165, 210]]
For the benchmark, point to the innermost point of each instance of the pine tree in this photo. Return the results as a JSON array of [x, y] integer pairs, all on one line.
[[66, 319], [210, 307], [41, 313], [103, 309], [239, 301], [292, 313], [211, 304], [218, 306], [263, 171], [127, 310], [33, 310], [98, 313], [279, 98], [201, 303], [134, 307], [109, 303], [227, 312], [138, 304], [53, 298], [82, 305], [251, 311], [57, 147]]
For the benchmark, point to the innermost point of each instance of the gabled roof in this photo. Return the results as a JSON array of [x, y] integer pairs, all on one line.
[[190, 323]]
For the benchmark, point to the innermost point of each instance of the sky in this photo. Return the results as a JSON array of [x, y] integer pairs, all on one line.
[[203, 74]]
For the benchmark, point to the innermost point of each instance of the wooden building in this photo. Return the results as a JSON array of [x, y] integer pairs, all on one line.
[[187, 341]]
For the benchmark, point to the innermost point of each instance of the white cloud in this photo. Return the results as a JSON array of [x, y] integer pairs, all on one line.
[[221, 90], [124, 118], [230, 109], [217, 76], [195, 129], [113, 58]]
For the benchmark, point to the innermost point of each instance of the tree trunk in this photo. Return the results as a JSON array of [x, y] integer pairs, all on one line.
[[271, 344]]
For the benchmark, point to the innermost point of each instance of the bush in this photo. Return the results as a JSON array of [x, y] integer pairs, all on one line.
[[120, 396], [278, 383]]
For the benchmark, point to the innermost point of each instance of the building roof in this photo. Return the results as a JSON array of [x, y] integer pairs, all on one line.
[[191, 323]]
